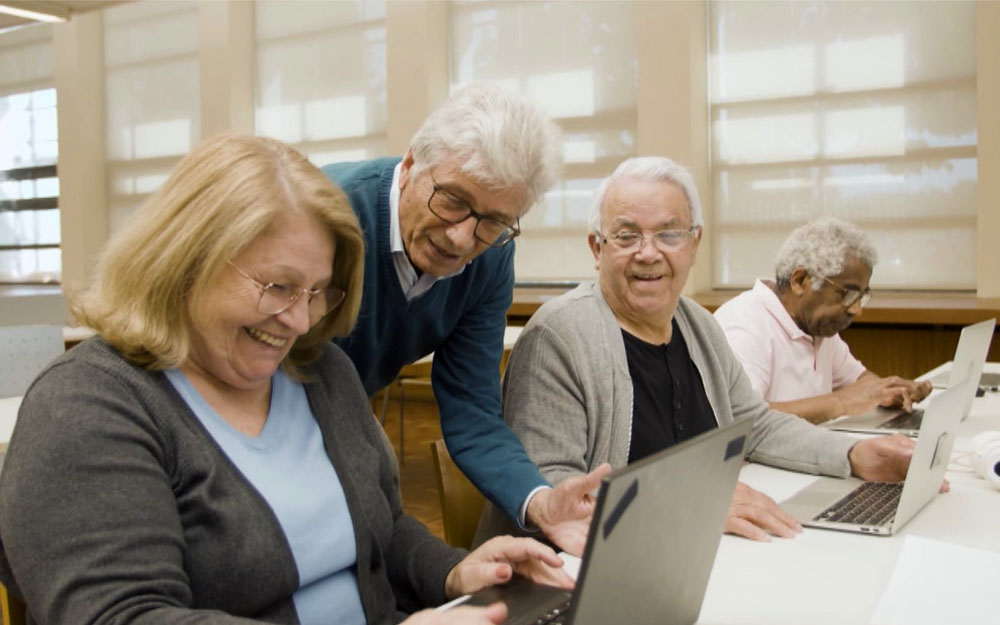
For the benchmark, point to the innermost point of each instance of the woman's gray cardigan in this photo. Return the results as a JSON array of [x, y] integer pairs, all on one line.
[[568, 396], [116, 506]]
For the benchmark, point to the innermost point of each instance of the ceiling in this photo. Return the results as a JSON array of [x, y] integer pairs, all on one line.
[[72, 6]]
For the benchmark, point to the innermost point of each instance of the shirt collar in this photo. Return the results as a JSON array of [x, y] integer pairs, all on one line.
[[774, 306]]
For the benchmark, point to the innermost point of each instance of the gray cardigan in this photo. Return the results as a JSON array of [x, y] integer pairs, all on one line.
[[568, 396], [116, 506]]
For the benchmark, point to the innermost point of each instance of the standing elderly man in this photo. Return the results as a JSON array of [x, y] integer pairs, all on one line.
[[439, 225], [786, 331], [616, 370]]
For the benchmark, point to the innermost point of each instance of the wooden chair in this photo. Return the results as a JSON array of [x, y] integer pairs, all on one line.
[[461, 503], [11, 608]]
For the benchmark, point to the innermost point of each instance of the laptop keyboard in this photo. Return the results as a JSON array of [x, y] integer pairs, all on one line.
[[905, 421], [872, 503], [558, 615]]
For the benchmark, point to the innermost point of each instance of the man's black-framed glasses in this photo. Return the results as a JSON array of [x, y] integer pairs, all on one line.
[[851, 295], [277, 298], [449, 208]]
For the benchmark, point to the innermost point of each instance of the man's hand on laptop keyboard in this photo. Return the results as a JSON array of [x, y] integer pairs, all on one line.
[[870, 390], [754, 515], [900, 393], [883, 459]]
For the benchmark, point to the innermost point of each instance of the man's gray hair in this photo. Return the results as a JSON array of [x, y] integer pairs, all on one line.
[[653, 169], [500, 140], [821, 247]]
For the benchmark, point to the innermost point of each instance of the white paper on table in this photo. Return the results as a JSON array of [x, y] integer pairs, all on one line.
[[938, 582]]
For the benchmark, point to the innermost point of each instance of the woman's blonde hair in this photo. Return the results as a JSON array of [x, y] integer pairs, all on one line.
[[218, 199]]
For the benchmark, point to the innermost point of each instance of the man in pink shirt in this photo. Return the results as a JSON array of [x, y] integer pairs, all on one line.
[[785, 332]]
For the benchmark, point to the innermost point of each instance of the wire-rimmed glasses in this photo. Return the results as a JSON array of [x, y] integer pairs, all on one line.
[[277, 298], [664, 240], [852, 295]]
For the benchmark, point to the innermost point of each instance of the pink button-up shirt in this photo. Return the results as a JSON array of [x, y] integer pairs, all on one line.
[[783, 362]]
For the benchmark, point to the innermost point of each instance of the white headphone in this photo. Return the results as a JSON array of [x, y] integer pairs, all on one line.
[[986, 456]]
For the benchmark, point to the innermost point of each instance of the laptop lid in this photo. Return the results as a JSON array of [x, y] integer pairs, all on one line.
[[970, 357], [652, 540], [666, 512], [933, 450]]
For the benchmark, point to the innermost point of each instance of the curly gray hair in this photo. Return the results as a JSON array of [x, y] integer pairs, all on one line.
[[651, 168], [499, 139], [821, 247]]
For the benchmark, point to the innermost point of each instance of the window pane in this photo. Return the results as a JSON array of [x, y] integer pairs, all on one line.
[[29, 227], [331, 111], [578, 61], [861, 110], [31, 265], [152, 96], [28, 129]]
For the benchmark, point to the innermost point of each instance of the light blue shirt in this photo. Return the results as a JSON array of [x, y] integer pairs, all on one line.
[[288, 465]]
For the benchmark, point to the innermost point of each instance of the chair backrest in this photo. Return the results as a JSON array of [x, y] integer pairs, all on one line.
[[461, 503], [24, 352], [11, 608]]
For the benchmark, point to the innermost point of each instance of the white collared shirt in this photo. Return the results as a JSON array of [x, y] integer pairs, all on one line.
[[413, 286]]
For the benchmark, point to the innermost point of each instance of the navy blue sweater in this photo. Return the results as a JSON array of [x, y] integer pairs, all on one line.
[[461, 319]]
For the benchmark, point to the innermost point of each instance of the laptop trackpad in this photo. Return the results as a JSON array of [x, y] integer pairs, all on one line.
[[813, 499]]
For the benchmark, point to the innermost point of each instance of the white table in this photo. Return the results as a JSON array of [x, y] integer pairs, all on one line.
[[823, 576]]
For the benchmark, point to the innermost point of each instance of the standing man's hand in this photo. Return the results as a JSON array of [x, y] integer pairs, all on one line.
[[563, 513]]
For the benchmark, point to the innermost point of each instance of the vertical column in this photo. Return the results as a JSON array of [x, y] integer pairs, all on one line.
[[78, 72], [673, 102], [226, 62], [416, 66], [988, 150]]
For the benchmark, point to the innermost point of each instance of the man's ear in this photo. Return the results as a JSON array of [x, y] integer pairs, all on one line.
[[595, 248], [799, 282], [404, 169]]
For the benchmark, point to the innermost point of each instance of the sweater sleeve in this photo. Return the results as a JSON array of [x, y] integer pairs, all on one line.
[[777, 438], [466, 381], [89, 520]]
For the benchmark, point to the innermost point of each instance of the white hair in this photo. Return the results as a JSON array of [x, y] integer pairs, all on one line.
[[648, 168], [499, 139], [821, 247]]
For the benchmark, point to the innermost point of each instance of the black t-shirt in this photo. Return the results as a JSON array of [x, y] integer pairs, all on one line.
[[669, 404]]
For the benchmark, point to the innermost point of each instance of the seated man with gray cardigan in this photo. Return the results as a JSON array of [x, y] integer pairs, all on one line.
[[619, 369]]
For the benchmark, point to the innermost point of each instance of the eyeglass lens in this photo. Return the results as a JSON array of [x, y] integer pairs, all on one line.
[[450, 209], [277, 298]]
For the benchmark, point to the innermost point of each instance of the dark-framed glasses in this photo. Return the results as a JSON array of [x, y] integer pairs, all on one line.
[[451, 209], [277, 298], [664, 240], [851, 295]]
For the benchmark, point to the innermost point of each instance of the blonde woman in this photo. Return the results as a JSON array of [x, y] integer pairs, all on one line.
[[210, 456]]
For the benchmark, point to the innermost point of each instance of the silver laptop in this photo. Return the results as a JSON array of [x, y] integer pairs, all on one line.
[[970, 356], [666, 511], [882, 508]]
